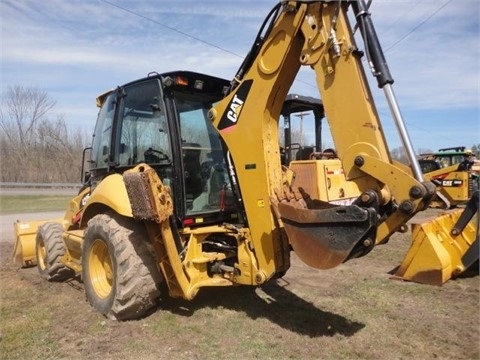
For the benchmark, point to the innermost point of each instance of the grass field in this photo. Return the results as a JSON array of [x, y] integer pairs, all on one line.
[[32, 203], [354, 311]]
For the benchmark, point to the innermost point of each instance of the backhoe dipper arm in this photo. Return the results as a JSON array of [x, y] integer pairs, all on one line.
[[316, 34]]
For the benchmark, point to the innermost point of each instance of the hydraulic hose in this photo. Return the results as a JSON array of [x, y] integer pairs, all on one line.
[[376, 59]]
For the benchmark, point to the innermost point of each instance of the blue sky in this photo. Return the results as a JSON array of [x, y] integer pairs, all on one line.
[[75, 50]]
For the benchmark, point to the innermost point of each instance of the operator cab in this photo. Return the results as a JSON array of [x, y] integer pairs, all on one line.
[[162, 120], [299, 106], [446, 157]]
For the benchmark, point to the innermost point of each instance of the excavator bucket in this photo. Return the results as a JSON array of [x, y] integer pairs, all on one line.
[[325, 238], [25, 234], [443, 247]]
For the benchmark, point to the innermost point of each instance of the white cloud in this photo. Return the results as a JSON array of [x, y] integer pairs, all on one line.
[[436, 64], [75, 50]]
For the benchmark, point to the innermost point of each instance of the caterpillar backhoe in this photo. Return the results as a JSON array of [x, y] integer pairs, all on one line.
[[455, 173], [186, 187]]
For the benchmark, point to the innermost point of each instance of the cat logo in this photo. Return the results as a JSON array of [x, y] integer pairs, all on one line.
[[452, 183], [232, 114], [235, 109]]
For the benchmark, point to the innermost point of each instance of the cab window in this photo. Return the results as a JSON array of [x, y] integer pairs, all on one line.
[[143, 127], [207, 184], [103, 134]]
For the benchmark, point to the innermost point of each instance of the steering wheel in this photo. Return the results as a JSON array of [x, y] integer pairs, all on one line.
[[154, 156]]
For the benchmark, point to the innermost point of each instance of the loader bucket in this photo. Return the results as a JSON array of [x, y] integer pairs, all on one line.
[[25, 234], [437, 253]]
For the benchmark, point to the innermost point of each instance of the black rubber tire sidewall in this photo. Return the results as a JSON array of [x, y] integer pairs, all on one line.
[[53, 269], [136, 279], [96, 232]]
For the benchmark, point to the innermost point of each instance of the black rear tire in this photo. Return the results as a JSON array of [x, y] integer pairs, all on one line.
[[119, 273], [50, 249]]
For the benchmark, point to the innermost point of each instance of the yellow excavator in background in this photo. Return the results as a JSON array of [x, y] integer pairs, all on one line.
[[433, 257], [455, 172], [186, 186]]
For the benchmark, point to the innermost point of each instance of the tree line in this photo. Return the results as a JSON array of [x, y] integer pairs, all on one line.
[[37, 146]]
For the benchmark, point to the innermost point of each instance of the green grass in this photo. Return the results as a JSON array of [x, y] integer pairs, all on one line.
[[32, 203], [25, 334]]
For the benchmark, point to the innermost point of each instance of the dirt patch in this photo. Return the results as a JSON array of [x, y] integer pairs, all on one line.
[[353, 311]]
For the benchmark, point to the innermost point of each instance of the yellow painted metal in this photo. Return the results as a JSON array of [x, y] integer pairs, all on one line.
[[325, 180], [102, 97], [452, 184], [24, 252], [184, 277], [110, 192], [196, 260], [41, 254], [257, 155], [152, 202], [101, 269], [435, 256], [75, 206], [73, 242], [397, 184], [302, 37]]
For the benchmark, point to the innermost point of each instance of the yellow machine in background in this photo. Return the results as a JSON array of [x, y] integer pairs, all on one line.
[[319, 169], [455, 172], [186, 185]]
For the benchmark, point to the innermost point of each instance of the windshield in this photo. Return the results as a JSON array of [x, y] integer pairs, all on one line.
[[143, 127], [207, 183]]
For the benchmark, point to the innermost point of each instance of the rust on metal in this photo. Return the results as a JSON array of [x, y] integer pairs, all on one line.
[[149, 198], [324, 238]]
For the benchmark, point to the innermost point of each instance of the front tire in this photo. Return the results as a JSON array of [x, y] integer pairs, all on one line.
[[50, 249], [120, 275]]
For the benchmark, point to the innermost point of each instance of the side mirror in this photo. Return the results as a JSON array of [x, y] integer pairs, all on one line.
[[85, 175]]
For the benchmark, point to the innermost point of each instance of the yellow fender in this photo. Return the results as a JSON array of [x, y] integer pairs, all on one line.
[[110, 193], [441, 250]]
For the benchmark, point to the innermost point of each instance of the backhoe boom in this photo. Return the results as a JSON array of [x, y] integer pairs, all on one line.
[[316, 34]]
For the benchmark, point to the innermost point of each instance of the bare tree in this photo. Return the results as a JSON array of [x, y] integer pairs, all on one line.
[[399, 154], [35, 148], [24, 109]]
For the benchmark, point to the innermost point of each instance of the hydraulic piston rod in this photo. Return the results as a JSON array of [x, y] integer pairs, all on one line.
[[379, 67], [402, 130]]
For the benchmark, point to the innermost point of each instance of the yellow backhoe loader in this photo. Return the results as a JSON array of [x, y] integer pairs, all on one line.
[[186, 186], [455, 172]]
